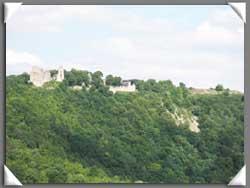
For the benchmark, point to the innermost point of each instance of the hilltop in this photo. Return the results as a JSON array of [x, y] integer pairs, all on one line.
[[162, 133], [213, 91]]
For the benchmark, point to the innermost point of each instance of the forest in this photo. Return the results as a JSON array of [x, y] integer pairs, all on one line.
[[55, 134]]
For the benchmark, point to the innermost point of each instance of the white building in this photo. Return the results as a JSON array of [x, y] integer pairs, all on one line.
[[126, 86]]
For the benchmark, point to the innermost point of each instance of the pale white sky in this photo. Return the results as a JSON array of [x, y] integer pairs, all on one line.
[[198, 45]]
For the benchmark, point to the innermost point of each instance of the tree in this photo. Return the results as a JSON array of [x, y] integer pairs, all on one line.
[[97, 79], [77, 77], [113, 80], [61, 135], [57, 173], [219, 87], [53, 73], [182, 85]]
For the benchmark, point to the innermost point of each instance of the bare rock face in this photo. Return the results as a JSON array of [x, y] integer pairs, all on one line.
[[182, 116], [193, 124]]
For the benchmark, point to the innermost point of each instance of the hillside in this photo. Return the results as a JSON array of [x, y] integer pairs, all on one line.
[[161, 133]]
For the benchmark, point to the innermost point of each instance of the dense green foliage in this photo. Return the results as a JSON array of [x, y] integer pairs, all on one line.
[[76, 77], [219, 87], [113, 80], [62, 135]]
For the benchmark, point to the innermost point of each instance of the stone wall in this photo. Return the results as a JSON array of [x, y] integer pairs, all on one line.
[[130, 88]]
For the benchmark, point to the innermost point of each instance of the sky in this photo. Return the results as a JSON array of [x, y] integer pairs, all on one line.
[[199, 45]]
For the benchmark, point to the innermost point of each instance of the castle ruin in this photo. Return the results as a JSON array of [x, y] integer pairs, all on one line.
[[38, 76]]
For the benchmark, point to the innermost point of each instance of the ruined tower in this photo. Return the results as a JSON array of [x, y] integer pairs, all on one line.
[[60, 74]]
